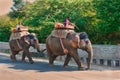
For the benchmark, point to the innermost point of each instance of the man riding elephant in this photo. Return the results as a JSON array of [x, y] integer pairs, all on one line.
[[61, 31]]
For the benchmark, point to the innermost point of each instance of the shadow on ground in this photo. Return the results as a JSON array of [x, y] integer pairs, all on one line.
[[41, 66]]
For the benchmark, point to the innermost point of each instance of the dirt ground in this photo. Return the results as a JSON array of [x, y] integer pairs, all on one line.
[[12, 74], [40, 70]]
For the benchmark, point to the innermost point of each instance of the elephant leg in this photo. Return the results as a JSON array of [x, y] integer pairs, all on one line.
[[23, 57], [26, 52], [13, 55], [30, 58], [51, 56], [77, 60], [51, 59], [13, 58], [68, 57]]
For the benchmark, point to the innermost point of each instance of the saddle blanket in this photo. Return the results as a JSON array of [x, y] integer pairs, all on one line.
[[18, 35], [61, 33]]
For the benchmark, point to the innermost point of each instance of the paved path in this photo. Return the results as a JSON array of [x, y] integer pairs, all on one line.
[[40, 70]]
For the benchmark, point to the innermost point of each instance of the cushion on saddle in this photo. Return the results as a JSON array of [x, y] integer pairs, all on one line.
[[62, 33], [18, 35], [60, 25], [70, 27], [22, 28]]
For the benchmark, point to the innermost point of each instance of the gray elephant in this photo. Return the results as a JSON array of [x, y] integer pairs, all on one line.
[[23, 44], [72, 42]]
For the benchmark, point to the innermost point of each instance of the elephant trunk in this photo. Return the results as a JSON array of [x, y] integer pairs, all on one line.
[[89, 60], [90, 55], [37, 47]]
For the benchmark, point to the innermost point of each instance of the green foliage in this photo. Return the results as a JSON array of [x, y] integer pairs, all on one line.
[[107, 11], [99, 18], [17, 14], [43, 14], [5, 33], [4, 28], [17, 9], [45, 31]]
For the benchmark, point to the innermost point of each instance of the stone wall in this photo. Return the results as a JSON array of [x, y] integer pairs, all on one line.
[[108, 55]]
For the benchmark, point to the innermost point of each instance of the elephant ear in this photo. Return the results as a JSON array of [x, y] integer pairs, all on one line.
[[75, 41], [27, 39], [76, 38], [73, 37]]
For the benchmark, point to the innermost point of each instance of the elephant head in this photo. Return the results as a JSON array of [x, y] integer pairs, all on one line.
[[82, 41], [32, 40]]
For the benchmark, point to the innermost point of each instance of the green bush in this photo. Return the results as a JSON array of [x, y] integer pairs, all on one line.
[[4, 28], [107, 12], [99, 18], [42, 15]]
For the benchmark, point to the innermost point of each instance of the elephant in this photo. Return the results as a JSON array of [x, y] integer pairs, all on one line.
[[23, 44], [72, 42]]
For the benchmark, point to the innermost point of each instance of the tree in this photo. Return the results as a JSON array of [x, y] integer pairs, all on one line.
[[17, 9], [107, 12], [43, 13]]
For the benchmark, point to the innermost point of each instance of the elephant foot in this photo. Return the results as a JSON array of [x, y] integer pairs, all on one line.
[[87, 68], [12, 58], [31, 62], [51, 65], [81, 68], [23, 61], [65, 66]]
